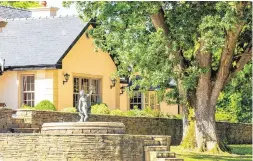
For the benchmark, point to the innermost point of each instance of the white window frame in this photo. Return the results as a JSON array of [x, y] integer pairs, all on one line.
[[133, 103], [96, 93], [145, 100], [27, 92]]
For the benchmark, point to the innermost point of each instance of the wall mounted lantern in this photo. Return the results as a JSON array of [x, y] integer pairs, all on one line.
[[114, 81], [66, 77], [122, 89]]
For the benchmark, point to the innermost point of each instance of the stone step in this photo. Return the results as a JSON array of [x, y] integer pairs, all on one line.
[[154, 155], [156, 148], [169, 159], [165, 154], [25, 130]]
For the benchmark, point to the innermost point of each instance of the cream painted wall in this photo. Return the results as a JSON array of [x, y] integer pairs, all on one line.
[[83, 61], [171, 109], [11, 83], [9, 89], [44, 86]]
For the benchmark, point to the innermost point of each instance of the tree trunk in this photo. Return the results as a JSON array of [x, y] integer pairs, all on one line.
[[205, 120], [185, 110], [185, 114], [205, 129]]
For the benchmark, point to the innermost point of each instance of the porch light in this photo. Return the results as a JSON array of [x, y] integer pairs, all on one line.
[[114, 81], [66, 76], [122, 89]]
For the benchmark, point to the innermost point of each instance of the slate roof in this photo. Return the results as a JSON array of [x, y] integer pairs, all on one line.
[[10, 12], [39, 42]]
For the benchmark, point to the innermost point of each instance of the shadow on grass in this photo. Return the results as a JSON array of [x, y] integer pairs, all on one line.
[[195, 157], [238, 153], [241, 149]]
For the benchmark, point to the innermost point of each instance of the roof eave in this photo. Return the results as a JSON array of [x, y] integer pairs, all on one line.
[[33, 67]]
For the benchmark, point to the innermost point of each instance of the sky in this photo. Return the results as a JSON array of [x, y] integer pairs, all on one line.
[[62, 10]]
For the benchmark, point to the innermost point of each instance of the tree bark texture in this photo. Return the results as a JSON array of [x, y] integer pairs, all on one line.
[[204, 114], [185, 110]]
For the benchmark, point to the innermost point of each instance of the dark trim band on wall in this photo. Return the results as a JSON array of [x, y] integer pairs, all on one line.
[[33, 67]]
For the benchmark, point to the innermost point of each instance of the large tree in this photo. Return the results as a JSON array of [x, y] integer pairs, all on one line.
[[202, 45]]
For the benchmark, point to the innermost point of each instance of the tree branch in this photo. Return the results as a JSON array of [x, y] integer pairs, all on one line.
[[225, 62], [245, 58], [158, 21]]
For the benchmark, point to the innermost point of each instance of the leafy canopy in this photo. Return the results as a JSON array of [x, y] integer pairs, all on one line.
[[20, 4], [125, 29], [236, 99]]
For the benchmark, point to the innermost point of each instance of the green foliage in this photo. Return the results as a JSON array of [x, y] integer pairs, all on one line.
[[24, 106], [225, 116], [189, 141], [45, 105], [117, 112], [236, 99], [146, 112], [100, 109], [69, 109], [20, 4]]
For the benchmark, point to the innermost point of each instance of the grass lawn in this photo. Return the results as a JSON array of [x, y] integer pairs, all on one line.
[[238, 153]]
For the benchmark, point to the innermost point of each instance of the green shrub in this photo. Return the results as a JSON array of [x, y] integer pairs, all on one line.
[[100, 109], [25, 107], [117, 112], [224, 116], [45, 105], [135, 112], [149, 112], [69, 109]]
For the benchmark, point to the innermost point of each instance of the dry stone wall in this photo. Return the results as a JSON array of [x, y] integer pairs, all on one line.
[[5, 119], [39, 147], [233, 133]]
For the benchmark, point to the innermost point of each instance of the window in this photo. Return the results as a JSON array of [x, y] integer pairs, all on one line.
[[85, 84], [142, 100], [136, 100], [28, 90]]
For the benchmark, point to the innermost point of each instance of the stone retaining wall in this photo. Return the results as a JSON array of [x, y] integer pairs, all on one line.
[[39, 147], [234, 133], [5, 119]]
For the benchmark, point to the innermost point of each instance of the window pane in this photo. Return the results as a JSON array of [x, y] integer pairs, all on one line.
[[32, 87], [28, 79], [32, 79], [28, 87], [28, 90], [29, 96]]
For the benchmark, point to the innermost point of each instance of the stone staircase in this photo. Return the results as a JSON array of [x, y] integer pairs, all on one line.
[[159, 152], [19, 126]]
